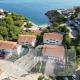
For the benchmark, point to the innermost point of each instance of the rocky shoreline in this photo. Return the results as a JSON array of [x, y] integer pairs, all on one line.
[[54, 15]]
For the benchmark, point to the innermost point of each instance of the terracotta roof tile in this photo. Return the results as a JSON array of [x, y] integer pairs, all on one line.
[[55, 36], [53, 50], [26, 38], [8, 45]]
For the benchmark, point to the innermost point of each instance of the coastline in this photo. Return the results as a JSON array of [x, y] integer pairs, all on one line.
[[36, 27]]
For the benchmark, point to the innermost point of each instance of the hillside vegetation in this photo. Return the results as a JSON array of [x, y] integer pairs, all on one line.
[[10, 26]]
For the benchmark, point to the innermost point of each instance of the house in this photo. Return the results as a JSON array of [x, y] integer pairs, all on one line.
[[68, 12], [2, 14], [53, 38], [1, 11], [27, 40], [8, 47], [54, 53]]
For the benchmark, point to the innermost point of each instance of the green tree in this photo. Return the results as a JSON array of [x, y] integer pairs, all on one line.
[[3, 33], [78, 51], [78, 39], [9, 20], [13, 32], [55, 16], [1, 38], [39, 39], [28, 25], [16, 16], [45, 31], [18, 23], [55, 27], [78, 61], [42, 78], [63, 29], [67, 41], [10, 26]]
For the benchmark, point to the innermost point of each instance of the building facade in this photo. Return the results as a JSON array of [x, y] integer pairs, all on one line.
[[53, 38], [27, 40], [54, 53], [9, 48]]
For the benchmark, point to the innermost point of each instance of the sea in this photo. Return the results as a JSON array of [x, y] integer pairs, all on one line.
[[35, 10]]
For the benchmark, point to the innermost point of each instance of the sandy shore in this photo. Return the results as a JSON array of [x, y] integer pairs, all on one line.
[[35, 26]]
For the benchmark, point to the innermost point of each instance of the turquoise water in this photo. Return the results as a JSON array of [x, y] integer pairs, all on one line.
[[35, 9]]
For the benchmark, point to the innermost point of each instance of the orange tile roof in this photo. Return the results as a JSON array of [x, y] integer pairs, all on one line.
[[8, 45], [26, 38], [55, 36], [36, 31], [53, 50]]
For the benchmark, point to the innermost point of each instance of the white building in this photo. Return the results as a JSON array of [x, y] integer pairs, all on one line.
[[53, 38], [1, 10], [27, 40], [54, 53], [2, 14], [9, 48]]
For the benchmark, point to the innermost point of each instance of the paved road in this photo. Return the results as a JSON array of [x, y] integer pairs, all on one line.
[[27, 62], [10, 69], [20, 67], [49, 69]]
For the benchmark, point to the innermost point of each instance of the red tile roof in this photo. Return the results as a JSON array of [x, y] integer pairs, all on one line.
[[8, 45], [26, 38], [54, 50], [36, 31], [54, 36]]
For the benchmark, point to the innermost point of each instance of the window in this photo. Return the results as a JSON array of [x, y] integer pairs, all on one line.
[[50, 39], [52, 42]]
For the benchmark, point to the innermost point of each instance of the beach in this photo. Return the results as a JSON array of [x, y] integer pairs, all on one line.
[[37, 27]]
